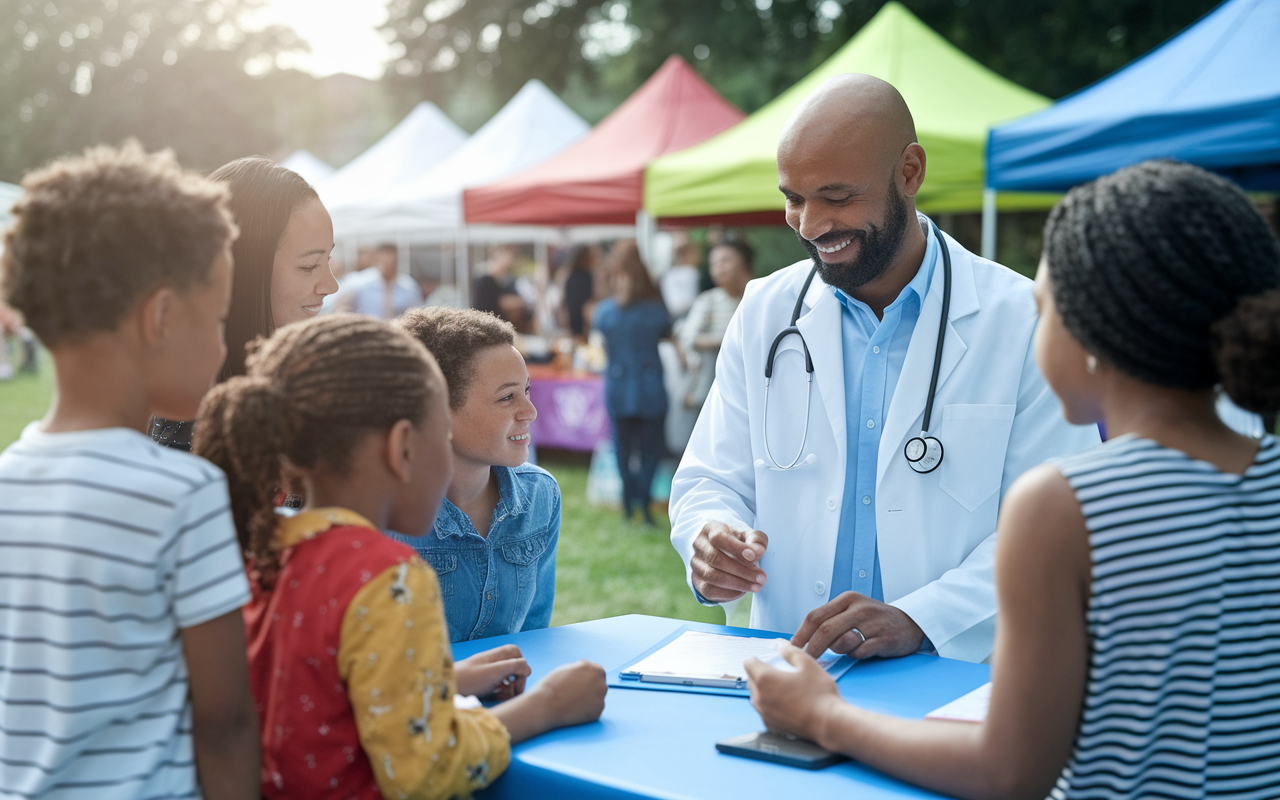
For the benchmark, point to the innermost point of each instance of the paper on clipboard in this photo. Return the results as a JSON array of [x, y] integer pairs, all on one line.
[[971, 707], [720, 657]]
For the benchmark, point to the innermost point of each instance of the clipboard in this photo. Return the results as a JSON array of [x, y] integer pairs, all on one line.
[[626, 677]]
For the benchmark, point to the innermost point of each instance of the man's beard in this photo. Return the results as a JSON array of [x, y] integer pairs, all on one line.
[[877, 248]]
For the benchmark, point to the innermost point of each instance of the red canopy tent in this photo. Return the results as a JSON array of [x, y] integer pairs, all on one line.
[[599, 180]]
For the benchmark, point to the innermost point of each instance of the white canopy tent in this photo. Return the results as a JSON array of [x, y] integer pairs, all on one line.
[[426, 209], [529, 129], [312, 169], [421, 142]]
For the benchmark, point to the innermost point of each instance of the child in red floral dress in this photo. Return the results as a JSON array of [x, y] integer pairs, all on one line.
[[348, 650]]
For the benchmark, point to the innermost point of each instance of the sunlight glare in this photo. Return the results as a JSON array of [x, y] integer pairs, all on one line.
[[343, 34]]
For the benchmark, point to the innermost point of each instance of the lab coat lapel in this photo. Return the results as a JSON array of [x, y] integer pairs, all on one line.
[[912, 391], [820, 327]]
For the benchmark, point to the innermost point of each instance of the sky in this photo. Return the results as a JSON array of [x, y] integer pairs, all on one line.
[[342, 33]]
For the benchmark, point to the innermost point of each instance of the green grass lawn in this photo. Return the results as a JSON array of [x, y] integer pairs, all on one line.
[[605, 566], [23, 399]]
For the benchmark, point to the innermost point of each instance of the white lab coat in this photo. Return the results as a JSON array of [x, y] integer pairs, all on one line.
[[994, 414]]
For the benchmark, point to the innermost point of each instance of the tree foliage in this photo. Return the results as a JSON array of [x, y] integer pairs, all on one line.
[[595, 52], [169, 72]]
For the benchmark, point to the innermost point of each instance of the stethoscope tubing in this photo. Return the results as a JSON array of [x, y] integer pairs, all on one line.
[[793, 329]]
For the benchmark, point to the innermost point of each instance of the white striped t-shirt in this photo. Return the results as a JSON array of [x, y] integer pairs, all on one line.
[[109, 546]]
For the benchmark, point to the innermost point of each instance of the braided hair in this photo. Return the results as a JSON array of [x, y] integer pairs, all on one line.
[[1169, 273], [312, 391]]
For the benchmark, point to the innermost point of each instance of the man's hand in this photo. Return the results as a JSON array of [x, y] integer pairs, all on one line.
[[796, 702], [725, 563], [886, 631], [494, 675]]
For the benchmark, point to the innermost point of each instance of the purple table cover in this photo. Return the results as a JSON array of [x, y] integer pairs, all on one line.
[[571, 412]]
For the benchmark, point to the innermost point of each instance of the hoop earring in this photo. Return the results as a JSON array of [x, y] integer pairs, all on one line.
[[1091, 364]]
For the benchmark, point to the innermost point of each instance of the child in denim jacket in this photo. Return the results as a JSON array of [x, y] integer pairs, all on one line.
[[493, 545]]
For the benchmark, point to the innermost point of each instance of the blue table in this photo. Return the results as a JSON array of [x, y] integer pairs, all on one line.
[[654, 744]]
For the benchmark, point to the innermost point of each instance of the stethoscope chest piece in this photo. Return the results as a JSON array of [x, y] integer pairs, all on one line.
[[924, 453]]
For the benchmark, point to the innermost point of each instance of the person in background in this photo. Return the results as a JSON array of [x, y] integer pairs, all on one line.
[[495, 291], [702, 331], [383, 291], [493, 545], [1138, 599], [282, 264], [343, 276], [633, 321], [681, 282], [124, 673], [579, 288]]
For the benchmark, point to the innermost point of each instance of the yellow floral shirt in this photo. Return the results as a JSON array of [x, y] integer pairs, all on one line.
[[395, 660]]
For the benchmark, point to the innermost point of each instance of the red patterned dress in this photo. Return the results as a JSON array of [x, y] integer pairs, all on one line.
[[352, 673]]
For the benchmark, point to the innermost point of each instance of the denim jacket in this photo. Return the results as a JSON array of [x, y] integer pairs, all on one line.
[[505, 583]]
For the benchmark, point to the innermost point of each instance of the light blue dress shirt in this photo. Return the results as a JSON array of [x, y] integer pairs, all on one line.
[[874, 352]]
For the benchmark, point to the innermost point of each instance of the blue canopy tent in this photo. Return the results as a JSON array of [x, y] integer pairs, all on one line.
[[1209, 96]]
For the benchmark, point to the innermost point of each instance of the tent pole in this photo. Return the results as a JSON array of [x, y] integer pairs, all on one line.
[[402, 254], [462, 267], [644, 237], [989, 223]]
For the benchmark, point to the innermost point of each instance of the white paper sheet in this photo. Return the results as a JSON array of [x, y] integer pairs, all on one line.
[[714, 655], [972, 707]]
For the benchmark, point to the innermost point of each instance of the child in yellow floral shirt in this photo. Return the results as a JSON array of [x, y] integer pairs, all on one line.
[[348, 650]]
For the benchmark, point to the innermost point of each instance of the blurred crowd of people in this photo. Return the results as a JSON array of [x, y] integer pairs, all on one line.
[[598, 308]]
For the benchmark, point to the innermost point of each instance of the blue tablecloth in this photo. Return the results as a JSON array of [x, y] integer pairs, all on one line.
[[662, 744]]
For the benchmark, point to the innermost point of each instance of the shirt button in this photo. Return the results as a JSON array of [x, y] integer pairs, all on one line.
[[819, 588], [875, 349], [862, 573], [489, 596], [866, 501], [871, 423], [831, 503]]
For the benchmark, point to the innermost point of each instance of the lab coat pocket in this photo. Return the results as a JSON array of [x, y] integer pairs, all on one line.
[[974, 440]]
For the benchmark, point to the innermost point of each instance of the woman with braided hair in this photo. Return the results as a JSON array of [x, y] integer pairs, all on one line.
[[348, 651], [1138, 582]]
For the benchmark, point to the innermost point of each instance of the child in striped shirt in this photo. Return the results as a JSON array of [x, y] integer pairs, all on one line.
[[122, 668]]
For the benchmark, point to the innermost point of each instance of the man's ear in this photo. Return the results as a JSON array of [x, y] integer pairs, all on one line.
[[156, 315], [913, 163], [400, 454]]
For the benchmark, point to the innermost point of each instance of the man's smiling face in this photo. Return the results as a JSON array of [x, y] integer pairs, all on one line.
[[846, 166]]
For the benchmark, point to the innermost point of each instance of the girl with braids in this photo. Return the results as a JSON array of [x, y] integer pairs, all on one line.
[[348, 651], [281, 260], [1138, 582]]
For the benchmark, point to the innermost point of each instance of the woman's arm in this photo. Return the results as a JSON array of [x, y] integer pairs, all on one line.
[[1041, 661]]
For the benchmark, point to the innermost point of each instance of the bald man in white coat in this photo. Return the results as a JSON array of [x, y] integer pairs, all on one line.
[[852, 548]]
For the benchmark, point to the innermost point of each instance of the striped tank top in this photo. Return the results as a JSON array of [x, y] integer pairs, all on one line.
[[1183, 692]]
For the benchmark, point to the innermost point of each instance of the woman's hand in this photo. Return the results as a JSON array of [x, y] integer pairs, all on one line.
[[798, 702], [494, 675]]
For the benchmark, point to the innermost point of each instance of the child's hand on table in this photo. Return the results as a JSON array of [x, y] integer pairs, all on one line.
[[494, 675]]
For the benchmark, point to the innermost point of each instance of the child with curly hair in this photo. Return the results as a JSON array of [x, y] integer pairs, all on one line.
[[123, 644], [494, 544]]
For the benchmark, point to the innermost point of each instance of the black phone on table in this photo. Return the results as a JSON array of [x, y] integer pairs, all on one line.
[[780, 748]]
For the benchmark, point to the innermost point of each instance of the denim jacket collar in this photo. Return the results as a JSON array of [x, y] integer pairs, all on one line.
[[512, 501]]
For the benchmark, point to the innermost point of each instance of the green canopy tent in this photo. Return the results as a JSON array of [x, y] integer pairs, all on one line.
[[733, 177]]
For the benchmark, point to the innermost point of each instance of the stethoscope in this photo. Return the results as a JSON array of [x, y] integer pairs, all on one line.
[[923, 452]]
